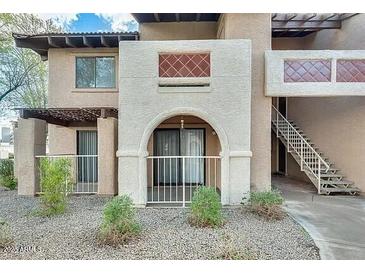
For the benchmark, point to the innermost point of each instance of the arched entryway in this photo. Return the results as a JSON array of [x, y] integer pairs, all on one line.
[[184, 152]]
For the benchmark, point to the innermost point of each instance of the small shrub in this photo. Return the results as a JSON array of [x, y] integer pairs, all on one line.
[[229, 251], [5, 234], [267, 204], [7, 178], [55, 185], [119, 223], [206, 209]]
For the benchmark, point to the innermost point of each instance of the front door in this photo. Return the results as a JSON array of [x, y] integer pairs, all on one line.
[[179, 142]]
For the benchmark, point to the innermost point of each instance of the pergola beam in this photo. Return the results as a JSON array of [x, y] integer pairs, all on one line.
[[104, 42], [86, 42], [329, 17], [52, 42], [291, 17], [311, 16], [348, 16], [69, 42], [157, 17], [306, 25]]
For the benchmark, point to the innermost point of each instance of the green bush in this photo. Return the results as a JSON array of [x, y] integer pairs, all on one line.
[[55, 184], [5, 234], [119, 224], [206, 209], [7, 178], [267, 204]]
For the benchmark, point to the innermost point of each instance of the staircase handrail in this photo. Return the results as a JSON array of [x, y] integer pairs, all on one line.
[[302, 139]]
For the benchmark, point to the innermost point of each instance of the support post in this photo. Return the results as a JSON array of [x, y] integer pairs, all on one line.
[[301, 154], [183, 179], [277, 124], [107, 161], [287, 141], [30, 141], [319, 175]]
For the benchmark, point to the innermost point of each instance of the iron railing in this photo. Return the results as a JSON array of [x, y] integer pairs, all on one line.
[[308, 156], [173, 179], [84, 172]]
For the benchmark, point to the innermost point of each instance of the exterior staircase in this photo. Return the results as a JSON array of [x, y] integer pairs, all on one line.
[[322, 173]]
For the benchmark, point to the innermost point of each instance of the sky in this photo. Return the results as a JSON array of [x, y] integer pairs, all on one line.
[[91, 22]]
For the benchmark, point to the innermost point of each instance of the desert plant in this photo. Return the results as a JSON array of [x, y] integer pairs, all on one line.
[[55, 184], [5, 234], [267, 204], [7, 178], [206, 209], [119, 224], [229, 251]]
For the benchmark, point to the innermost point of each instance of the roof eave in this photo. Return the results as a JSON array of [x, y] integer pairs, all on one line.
[[41, 43]]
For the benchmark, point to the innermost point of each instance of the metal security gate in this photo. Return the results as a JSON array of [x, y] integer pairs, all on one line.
[[179, 166], [179, 176], [87, 162]]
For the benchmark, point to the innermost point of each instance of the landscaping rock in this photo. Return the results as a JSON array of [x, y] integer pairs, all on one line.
[[166, 234]]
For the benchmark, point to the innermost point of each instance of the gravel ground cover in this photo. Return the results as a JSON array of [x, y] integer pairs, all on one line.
[[166, 234]]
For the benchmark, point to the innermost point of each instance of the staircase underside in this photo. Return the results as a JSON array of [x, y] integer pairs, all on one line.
[[331, 181]]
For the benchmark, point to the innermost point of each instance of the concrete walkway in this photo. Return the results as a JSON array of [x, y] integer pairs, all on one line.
[[336, 223]]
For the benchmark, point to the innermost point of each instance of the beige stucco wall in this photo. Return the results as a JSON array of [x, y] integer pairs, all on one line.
[[334, 124], [62, 140], [256, 27], [178, 31], [225, 105], [61, 87]]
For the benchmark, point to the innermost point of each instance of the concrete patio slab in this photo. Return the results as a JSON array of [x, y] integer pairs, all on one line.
[[336, 223]]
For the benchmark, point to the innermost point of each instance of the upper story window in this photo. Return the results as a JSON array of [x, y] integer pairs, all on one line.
[[95, 72]]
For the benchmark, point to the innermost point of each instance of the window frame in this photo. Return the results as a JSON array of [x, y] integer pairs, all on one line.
[[96, 89]]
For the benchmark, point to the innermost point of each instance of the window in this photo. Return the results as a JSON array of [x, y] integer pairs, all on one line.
[[95, 72], [184, 64]]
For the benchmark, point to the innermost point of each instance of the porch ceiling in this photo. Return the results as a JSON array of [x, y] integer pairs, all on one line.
[[65, 116]]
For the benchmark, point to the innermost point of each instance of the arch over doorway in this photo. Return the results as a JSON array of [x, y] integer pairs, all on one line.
[[155, 122], [184, 171]]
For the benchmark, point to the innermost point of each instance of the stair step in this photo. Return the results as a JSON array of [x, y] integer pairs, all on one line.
[[323, 158], [324, 169], [331, 175], [334, 189], [323, 182]]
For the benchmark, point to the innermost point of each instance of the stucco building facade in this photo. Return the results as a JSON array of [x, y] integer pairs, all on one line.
[[223, 100]]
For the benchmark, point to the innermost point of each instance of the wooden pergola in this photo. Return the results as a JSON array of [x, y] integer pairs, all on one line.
[[302, 24], [66, 116]]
